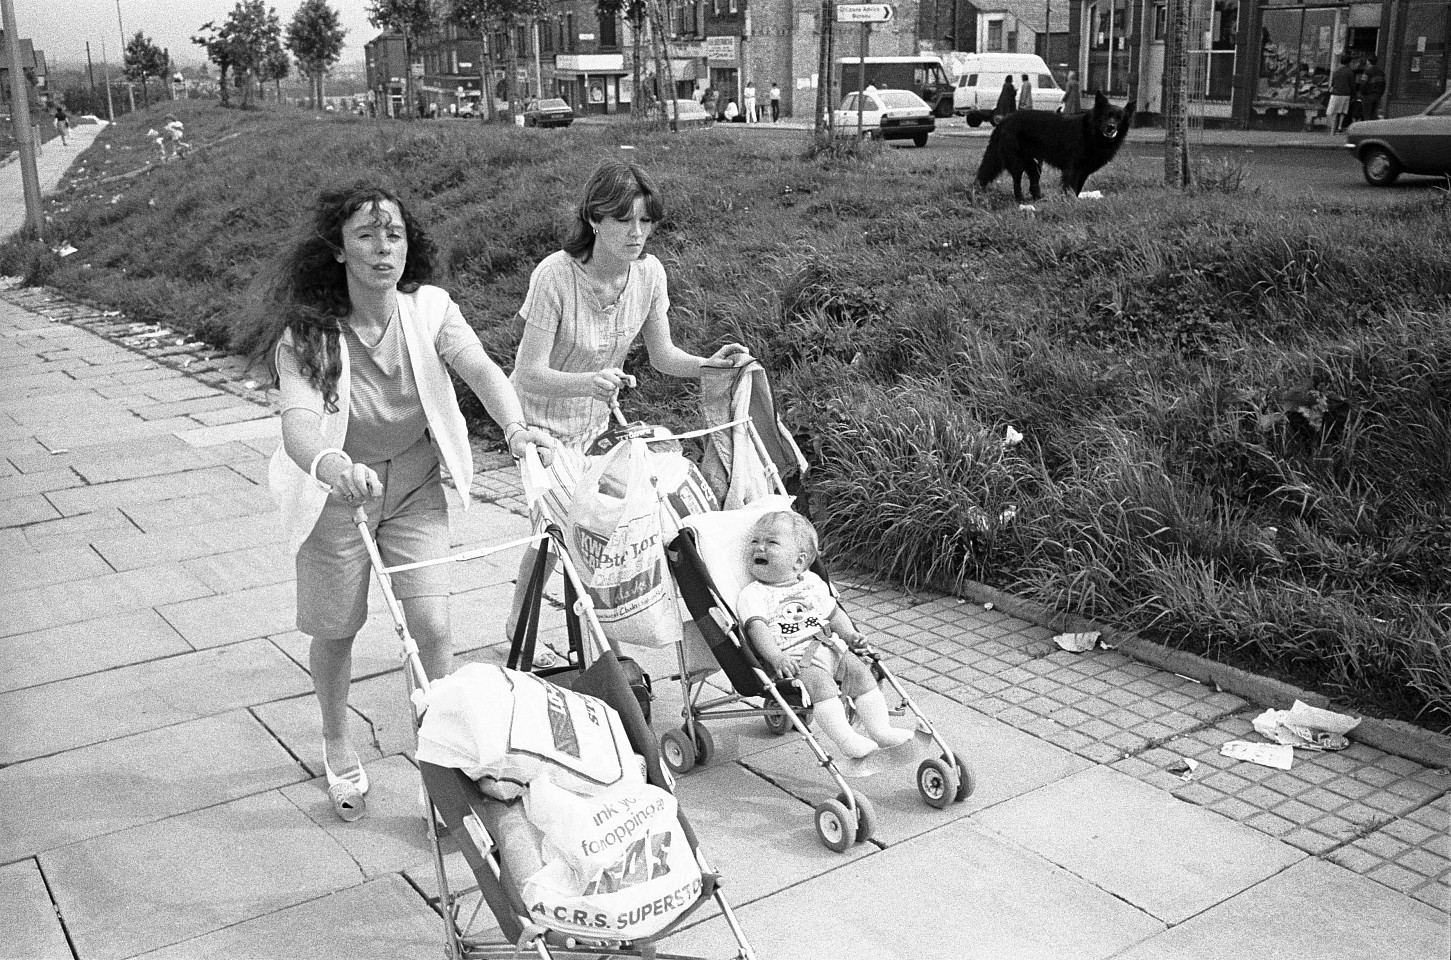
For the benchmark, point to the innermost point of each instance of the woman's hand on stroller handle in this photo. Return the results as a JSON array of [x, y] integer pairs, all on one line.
[[730, 355], [606, 384], [528, 440]]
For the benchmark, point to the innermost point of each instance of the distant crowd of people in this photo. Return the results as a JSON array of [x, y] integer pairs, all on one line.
[[726, 110]]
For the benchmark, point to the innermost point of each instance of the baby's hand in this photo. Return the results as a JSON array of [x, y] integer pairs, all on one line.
[[788, 665]]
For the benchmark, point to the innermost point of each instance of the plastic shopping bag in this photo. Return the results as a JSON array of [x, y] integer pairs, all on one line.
[[613, 865], [616, 541]]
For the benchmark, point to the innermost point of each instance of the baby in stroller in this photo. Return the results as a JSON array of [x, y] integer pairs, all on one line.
[[794, 624]]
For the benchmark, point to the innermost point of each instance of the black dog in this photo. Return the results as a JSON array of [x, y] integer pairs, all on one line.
[[1077, 144]]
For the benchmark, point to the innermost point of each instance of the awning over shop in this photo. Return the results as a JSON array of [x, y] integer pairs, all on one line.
[[591, 64]]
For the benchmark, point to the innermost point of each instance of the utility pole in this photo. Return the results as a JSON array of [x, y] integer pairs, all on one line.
[[1047, 32], [90, 68], [106, 70], [20, 119]]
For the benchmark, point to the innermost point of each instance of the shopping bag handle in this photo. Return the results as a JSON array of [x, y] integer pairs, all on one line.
[[536, 477]]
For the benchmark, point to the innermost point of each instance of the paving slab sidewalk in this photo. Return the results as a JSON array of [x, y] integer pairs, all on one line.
[[159, 774]]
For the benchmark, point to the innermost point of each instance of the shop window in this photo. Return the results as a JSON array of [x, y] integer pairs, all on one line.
[[1421, 66], [1297, 53]]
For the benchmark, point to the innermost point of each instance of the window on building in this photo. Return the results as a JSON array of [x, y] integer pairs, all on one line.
[[1161, 21], [609, 34], [571, 38], [1420, 70], [994, 35], [1013, 40]]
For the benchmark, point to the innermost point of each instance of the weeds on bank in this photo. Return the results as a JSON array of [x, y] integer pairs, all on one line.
[[1236, 411]]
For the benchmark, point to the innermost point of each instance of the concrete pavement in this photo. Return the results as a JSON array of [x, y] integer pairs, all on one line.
[[160, 789], [54, 159]]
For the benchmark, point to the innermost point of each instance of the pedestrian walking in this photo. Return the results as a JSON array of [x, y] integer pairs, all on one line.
[[775, 102], [1007, 100], [1025, 95], [586, 305], [360, 347], [1073, 94], [62, 123], [750, 97]]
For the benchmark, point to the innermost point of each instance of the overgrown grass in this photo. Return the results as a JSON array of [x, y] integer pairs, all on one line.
[[1236, 407]]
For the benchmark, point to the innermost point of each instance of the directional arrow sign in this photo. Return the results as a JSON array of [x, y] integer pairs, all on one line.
[[863, 12]]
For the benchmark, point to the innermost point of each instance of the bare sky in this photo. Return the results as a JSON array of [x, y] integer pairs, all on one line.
[[62, 27]]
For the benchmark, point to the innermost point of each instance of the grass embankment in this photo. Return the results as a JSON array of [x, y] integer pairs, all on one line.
[[1236, 409]]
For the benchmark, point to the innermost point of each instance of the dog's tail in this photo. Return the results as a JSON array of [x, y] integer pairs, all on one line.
[[993, 162]]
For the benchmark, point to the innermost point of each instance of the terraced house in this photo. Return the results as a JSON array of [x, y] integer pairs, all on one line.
[[1253, 63]]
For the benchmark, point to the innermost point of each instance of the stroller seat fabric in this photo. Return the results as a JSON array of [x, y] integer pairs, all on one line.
[[504, 728]]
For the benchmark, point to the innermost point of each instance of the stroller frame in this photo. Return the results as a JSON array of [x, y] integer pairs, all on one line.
[[847, 818], [457, 809]]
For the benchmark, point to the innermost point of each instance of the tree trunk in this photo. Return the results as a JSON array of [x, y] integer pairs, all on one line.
[[664, 73], [1176, 96], [486, 76], [637, 28], [222, 81], [409, 108], [822, 124]]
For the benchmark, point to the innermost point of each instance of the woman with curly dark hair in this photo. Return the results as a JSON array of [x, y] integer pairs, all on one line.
[[360, 352]]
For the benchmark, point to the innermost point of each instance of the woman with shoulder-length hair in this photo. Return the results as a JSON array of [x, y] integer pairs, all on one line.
[[360, 347], [586, 305]]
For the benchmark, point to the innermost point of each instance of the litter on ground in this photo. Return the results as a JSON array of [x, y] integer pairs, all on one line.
[[1306, 727], [1077, 642], [1277, 755]]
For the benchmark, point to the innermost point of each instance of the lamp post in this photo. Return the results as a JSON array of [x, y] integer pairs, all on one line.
[[20, 118]]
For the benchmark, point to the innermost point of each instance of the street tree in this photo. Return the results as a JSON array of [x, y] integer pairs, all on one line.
[[315, 37], [142, 61], [409, 18], [275, 67], [1176, 95], [221, 48], [254, 32], [505, 16]]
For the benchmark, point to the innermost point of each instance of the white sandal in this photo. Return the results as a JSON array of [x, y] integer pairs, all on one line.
[[347, 793]]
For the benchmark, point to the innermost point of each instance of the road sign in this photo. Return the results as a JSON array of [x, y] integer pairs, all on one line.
[[863, 12]]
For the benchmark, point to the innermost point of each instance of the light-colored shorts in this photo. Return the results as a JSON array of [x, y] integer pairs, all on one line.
[[1338, 104], [851, 675], [409, 522]]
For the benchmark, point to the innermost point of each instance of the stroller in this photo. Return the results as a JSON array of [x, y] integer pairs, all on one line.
[[459, 811], [749, 460]]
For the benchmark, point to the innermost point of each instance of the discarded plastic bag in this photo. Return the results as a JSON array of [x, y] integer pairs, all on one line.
[[1306, 727], [1277, 755], [1078, 642]]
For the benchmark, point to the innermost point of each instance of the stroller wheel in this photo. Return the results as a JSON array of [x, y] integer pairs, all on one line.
[[966, 782], [704, 746], [777, 722], [677, 751], [833, 825], [936, 782], [866, 817]]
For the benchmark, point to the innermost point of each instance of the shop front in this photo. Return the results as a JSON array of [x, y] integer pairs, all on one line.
[[590, 83], [1417, 71]]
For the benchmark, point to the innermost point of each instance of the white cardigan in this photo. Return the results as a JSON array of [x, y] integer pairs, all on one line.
[[422, 313]]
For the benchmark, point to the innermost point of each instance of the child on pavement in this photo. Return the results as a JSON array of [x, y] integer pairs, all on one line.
[[794, 624]]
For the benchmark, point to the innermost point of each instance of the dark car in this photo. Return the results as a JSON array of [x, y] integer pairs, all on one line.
[[547, 113], [1419, 144]]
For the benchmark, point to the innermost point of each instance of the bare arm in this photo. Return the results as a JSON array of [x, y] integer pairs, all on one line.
[[842, 626], [669, 359], [537, 376], [302, 439], [784, 664], [477, 369]]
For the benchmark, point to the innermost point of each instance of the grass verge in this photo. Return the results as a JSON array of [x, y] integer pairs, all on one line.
[[1235, 408]]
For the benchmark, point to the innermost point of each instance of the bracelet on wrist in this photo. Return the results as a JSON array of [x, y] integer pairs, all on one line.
[[312, 470]]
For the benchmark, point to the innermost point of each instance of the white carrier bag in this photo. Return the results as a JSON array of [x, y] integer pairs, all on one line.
[[504, 728]]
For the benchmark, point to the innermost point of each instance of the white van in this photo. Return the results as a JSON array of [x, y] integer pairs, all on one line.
[[980, 82]]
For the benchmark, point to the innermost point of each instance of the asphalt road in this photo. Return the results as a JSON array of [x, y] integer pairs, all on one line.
[[1320, 174]]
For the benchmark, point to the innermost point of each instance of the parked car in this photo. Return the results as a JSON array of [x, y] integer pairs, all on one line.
[[552, 112], [691, 114], [1419, 144], [981, 82], [886, 115]]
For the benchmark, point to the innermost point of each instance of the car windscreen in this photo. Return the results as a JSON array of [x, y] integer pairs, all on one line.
[[898, 98], [1046, 82], [552, 105]]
